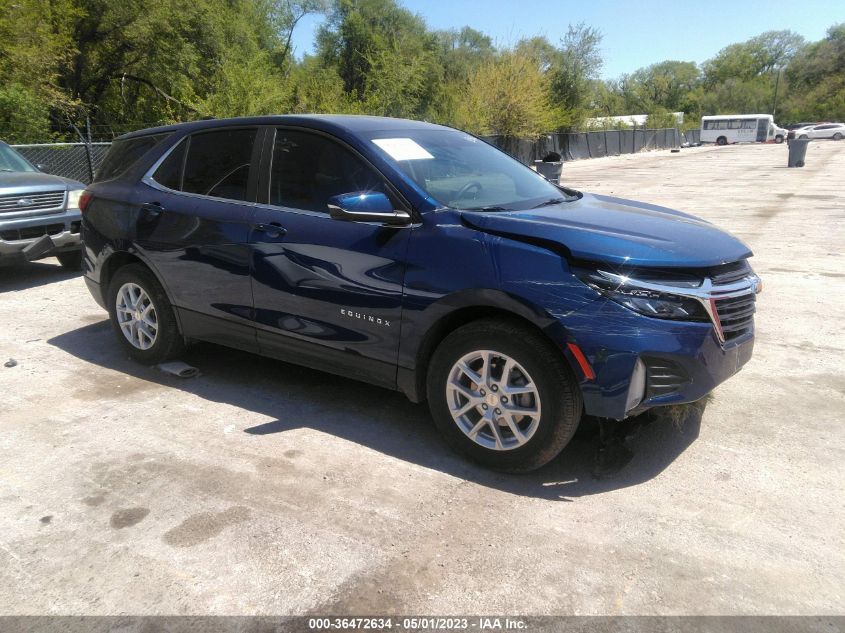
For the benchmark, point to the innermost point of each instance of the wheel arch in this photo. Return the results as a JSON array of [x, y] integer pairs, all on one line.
[[120, 259], [474, 306]]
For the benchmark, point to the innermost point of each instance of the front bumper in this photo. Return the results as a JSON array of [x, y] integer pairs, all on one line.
[[682, 361], [16, 234]]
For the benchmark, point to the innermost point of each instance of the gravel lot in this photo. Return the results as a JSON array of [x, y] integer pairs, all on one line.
[[264, 488]]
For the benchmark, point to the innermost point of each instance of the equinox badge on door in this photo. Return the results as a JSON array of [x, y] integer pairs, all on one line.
[[364, 317]]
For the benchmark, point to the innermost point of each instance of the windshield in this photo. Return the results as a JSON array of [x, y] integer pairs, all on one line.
[[463, 172], [10, 160]]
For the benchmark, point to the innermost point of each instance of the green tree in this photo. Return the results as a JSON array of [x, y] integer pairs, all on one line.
[[36, 44], [666, 85], [573, 72], [816, 79], [361, 33], [506, 96], [24, 115]]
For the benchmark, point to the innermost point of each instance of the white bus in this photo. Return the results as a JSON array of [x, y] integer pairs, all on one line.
[[740, 128]]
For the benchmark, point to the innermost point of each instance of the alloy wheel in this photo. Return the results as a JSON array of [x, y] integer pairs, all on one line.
[[493, 400], [136, 315]]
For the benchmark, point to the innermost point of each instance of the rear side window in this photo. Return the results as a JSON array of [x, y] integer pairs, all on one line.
[[218, 163], [124, 153]]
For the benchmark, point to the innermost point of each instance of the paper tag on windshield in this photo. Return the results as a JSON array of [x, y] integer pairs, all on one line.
[[402, 148]]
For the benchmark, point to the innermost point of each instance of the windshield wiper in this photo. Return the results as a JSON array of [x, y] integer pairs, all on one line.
[[550, 202], [489, 208]]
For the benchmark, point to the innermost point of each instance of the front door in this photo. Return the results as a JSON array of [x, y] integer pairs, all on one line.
[[194, 220], [328, 293], [762, 130]]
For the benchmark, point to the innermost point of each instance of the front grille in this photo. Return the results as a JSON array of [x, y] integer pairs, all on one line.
[[729, 273], [663, 377], [43, 201], [736, 315], [31, 231]]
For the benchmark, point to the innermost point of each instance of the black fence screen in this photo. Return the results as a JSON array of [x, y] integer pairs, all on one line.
[[578, 145]]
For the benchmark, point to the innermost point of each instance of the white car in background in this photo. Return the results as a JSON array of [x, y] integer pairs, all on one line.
[[836, 131]]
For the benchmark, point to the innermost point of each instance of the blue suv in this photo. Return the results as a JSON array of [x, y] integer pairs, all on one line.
[[419, 258]]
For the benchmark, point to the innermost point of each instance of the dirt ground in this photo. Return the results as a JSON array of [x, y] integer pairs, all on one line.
[[264, 488]]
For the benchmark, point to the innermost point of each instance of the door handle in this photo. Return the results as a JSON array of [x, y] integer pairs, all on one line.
[[152, 209], [273, 229]]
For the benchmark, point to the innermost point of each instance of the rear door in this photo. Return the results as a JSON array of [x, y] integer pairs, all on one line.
[[195, 213], [328, 293]]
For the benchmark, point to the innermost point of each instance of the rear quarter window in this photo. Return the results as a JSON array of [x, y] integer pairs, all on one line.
[[169, 173], [124, 153]]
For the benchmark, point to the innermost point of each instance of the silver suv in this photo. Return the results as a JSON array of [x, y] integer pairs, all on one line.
[[39, 213]]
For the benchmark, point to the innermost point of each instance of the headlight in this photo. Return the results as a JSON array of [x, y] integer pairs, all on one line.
[[660, 304], [73, 198]]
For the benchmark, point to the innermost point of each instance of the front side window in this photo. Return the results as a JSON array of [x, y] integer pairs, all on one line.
[[218, 163], [309, 169], [463, 172]]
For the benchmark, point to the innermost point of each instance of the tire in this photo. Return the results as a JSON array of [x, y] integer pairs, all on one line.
[[778, 139], [542, 436], [837, 136], [167, 342], [721, 141], [72, 260], [803, 136]]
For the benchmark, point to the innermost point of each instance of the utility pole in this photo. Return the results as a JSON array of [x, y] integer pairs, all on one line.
[[775, 103]]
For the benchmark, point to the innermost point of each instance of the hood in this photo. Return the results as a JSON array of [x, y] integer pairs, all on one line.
[[607, 229], [12, 182]]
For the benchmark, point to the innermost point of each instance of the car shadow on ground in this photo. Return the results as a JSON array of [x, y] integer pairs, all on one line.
[[33, 274], [377, 418]]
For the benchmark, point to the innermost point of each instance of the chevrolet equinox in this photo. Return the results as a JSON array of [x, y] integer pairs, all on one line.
[[419, 258]]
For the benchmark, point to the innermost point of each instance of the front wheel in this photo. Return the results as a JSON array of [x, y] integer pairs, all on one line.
[[837, 137], [502, 395], [778, 139], [142, 317], [803, 136]]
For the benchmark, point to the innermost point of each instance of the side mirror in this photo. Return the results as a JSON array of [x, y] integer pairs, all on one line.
[[42, 167], [367, 206]]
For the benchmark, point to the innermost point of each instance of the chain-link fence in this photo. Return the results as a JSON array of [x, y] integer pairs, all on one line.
[[71, 160]]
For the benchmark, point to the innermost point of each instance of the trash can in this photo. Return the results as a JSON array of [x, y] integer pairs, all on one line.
[[551, 167], [797, 151]]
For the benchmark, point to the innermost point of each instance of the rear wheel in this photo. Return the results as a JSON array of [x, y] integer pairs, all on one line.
[[142, 317], [502, 395], [803, 136], [778, 139], [72, 260], [721, 141]]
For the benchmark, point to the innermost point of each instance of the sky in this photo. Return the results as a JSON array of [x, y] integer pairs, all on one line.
[[635, 33]]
